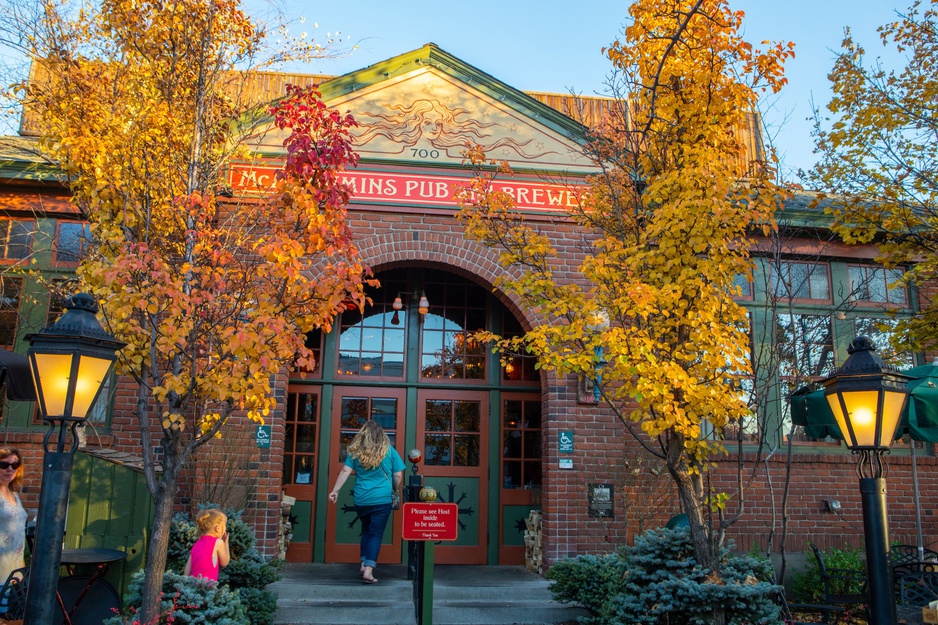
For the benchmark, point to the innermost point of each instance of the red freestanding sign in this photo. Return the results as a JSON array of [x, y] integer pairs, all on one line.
[[430, 521]]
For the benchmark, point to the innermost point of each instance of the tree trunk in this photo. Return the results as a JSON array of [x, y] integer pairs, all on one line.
[[156, 552], [691, 493]]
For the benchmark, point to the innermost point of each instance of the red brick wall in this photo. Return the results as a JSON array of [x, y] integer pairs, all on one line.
[[389, 239]]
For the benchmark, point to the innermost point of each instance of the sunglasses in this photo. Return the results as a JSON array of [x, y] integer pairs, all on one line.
[[9, 465]]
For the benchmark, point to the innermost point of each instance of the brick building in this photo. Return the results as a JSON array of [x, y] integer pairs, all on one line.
[[498, 440]]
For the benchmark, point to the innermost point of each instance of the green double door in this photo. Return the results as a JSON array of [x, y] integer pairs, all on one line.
[[471, 458], [451, 430]]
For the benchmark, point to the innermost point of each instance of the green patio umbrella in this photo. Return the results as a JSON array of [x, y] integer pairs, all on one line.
[[922, 410]]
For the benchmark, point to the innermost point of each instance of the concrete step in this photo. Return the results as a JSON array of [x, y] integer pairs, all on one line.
[[333, 594]]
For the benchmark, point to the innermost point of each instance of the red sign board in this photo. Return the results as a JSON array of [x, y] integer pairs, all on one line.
[[430, 521], [418, 189]]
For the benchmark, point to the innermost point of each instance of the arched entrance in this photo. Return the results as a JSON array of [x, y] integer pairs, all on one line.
[[433, 387]]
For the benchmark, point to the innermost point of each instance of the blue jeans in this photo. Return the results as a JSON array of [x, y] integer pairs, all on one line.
[[374, 519]]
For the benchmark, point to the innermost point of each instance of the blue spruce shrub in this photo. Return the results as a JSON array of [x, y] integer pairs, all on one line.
[[664, 584], [189, 600], [247, 570], [659, 582]]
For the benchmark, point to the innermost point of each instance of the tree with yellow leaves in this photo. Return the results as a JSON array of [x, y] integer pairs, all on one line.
[[878, 150], [669, 221], [142, 105]]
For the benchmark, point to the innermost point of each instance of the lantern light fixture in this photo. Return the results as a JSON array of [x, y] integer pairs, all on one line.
[[867, 397], [423, 305], [71, 360]]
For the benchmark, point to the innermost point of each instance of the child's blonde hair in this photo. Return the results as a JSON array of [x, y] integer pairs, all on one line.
[[208, 519]]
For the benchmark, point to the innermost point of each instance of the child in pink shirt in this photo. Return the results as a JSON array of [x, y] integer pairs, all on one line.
[[210, 552]]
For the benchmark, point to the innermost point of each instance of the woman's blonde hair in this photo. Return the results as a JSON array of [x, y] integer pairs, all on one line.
[[17, 482], [208, 519], [370, 445]]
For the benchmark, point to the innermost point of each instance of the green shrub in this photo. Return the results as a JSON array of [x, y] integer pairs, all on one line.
[[588, 581], [807, 586], [261, 604], [659, 582]]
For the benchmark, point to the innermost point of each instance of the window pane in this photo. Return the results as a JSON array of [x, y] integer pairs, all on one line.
[[354, 412], [306, 438], [73, 241], [466, 450], [820, 286], [532, 475], [532, 444], [384, 411], [9, 310], [532, 414], [512, 415], [439, 416], [512, 444], [805, 344], [467, 416], [897, 293], [511, 475], [307, 410], [437, 449]]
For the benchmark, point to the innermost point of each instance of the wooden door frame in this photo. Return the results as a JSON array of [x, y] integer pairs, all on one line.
[[303, 552], [444, 554]]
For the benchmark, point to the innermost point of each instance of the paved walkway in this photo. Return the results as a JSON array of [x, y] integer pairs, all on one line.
[[333, 594]]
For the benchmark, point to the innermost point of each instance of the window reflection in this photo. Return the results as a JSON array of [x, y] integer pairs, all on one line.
[[452, 433], [448, 348], [372, 344], [521, 444], [356, 411]]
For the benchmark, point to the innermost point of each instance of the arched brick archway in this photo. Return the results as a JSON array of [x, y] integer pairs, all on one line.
[[408, 247], [452, 252]]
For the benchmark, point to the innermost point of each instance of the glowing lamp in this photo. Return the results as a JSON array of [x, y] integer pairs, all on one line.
[[71, 360], [867, 397]]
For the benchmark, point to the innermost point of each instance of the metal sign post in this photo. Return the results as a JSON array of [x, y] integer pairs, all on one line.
[[425, 523]]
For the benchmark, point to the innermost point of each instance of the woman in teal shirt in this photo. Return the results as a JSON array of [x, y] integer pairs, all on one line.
[[378, 469]]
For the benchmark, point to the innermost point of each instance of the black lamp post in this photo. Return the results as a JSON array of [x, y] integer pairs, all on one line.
[[867, 397], [70, 362]]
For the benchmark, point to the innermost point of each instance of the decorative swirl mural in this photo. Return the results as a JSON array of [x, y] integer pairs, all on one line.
[[429, 121]]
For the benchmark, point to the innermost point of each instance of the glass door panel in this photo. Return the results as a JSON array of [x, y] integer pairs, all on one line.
[[352, 408]]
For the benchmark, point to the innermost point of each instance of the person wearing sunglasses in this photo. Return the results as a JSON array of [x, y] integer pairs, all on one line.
[[12, 513]]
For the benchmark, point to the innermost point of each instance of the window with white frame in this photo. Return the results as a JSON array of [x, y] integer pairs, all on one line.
[[801, 281]]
